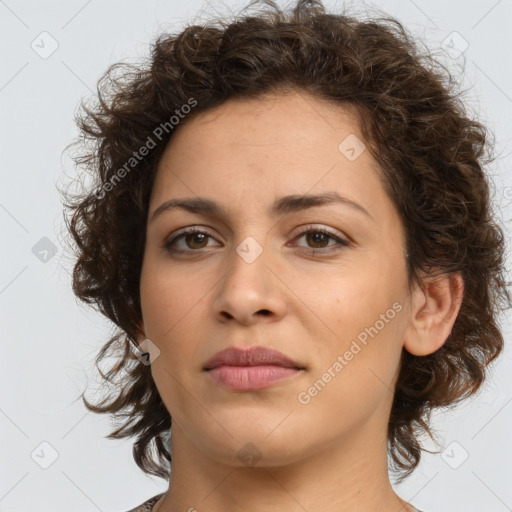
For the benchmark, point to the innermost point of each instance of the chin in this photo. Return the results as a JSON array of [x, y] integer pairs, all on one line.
[[253, 446]]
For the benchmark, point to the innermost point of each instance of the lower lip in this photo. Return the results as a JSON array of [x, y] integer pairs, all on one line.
[[248, 378]]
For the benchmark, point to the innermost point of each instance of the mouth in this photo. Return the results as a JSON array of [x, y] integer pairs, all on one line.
[[251, 369], [251, 378], [253, 356]]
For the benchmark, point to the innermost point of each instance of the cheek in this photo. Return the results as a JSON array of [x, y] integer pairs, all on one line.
[[167, 298], [355, 370], [171, 306], [363, 313]]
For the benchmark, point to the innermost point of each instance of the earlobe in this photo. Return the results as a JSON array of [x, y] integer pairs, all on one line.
[[434, 309]]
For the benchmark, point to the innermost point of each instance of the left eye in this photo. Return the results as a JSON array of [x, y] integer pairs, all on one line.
[[318, 236], [321, 236]]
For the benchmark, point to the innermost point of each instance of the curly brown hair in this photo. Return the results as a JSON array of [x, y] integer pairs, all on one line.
[[431, 156]]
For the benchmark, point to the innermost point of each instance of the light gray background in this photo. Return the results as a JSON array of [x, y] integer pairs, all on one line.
[[50, 342]]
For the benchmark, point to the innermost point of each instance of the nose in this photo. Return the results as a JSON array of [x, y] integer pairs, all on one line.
[[250, 292]]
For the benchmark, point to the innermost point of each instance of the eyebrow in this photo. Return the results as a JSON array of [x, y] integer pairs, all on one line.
[[282, 206]]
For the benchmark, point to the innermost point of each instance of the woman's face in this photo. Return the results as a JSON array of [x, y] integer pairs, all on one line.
[[336, 303]]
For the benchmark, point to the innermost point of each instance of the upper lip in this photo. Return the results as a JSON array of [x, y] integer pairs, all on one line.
[[252, 356]]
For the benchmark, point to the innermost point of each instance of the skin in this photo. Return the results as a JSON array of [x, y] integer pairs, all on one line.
[[329, 454]]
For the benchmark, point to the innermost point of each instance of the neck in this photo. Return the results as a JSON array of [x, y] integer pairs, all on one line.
[[344, 476]]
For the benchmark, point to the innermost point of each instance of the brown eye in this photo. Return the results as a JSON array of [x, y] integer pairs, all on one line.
[[194, 239], [318, 239]]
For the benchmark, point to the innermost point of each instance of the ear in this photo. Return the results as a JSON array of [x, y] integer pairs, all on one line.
[[435, 305]]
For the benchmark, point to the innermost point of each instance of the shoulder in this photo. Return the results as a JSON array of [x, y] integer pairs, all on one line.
[[147, 505]]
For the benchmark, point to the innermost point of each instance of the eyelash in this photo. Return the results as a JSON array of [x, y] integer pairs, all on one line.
[[309, 229]]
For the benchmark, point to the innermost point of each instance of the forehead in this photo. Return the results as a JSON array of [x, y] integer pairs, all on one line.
[[276, 119], [246, 153], [274, 137]]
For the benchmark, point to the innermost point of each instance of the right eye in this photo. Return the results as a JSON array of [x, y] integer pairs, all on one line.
[[191, 237]]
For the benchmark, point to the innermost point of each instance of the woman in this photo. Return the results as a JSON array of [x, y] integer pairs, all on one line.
[[291, 228]]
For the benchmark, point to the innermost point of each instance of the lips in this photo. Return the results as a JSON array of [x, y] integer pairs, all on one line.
[[253, 369], [253, 356]]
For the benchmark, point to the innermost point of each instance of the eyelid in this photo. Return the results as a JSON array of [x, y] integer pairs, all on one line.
[[322, 229], [187, 230], [340, 239]]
